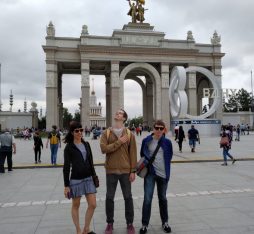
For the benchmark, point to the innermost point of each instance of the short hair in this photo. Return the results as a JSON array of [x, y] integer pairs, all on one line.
[[54, 127], [159, 122], [125, 115]]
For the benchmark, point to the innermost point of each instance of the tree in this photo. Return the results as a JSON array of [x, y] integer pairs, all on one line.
[[135, 121], [67, 117], [240, 101], [77, 116], [42, 123]]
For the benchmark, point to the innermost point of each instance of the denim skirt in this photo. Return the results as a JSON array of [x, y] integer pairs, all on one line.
[[82, 187]]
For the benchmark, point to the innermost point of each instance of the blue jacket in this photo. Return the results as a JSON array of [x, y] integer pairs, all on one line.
[[167, 148]]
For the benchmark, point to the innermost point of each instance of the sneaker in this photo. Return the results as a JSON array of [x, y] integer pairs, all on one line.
[[234, 160], [91, 232], [130, 229], [109, 228], [143, 230], [224, 164], [166, 228]]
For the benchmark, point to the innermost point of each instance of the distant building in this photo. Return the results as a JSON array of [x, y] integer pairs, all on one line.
[[14, 120], [96, 118]]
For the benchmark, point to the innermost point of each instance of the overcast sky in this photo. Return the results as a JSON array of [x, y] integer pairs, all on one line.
[[23, 30]]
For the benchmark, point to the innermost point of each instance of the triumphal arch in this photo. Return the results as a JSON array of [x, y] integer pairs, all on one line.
[[137, 52]]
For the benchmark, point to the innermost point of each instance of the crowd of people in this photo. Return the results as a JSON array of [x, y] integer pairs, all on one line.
[[118, 143]]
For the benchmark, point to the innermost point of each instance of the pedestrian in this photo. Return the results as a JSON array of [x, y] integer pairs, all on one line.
[[8, 147], [38, 145], [78, 157], [176, 129], [180, 138], [158, 173], [248, 129], [225, 144], [119, 145], [193, 136], [238, 130], [54, 139]]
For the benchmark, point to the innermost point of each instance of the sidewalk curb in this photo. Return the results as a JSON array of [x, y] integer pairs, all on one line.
[[33, 166]]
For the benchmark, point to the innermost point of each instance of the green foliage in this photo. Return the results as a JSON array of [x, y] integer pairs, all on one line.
[[135, 121], [42, 123], [241, 101], [77, 116], [67, 117]]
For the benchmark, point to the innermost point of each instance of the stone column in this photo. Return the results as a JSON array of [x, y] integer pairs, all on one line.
[[145, 114], [165, 115], [60, 102], [192, 93], [85, 93], [115, 89], [217, 73], [108, 102], [150, 103], [52, 111]]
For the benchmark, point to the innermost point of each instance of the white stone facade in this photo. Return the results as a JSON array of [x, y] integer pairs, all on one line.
[[136, 50]]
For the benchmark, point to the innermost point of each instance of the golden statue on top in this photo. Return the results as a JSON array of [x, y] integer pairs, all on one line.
[[137, 11]]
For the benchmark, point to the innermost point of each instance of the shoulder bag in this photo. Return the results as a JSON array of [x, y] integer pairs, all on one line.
[[141, 168]]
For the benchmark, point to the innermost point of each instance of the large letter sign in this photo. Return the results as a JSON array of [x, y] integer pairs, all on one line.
[[178, 97]]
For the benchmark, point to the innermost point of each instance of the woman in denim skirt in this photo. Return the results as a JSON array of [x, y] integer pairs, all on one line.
[[78, 182]]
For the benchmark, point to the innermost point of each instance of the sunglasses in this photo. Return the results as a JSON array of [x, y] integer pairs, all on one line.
[[159, 128], [78, 130], [120, 112]]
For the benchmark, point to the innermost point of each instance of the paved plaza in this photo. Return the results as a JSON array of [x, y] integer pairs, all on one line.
[[203, 197]]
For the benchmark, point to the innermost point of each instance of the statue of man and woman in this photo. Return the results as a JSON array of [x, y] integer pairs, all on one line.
[[137, 11]]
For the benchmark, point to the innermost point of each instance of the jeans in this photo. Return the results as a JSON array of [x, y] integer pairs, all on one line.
[[37, 151], [162, 185], [3, 156], [112, 180], [192, 142], [226, 153], [53, 148]]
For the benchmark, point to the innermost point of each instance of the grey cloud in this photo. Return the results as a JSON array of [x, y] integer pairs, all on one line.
[[23, 31]]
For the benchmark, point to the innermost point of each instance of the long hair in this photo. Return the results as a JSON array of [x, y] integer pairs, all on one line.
[[69, 138], [180, 129]]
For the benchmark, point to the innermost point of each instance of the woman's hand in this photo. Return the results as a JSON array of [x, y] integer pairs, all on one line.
[[66, 191]]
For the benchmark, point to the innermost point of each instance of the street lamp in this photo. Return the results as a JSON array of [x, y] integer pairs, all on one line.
[[252, 100], [0, 89]]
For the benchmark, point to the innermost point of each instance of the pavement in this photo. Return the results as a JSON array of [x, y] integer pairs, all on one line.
[[203, 196]]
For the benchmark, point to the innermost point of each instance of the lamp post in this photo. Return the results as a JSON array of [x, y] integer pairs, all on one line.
[[251, 86], [0, 89], [252, 100]]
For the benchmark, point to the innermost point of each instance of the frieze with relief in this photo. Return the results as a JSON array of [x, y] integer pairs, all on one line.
[[140, 40]]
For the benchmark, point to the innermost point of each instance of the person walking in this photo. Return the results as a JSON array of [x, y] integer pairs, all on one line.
[[119, 145], [176, 130], [180, 138], [8, 147], [193, 136], [54, 139], [158, 173], [238, 130], [78, 156], [38, 145], [225, 144]]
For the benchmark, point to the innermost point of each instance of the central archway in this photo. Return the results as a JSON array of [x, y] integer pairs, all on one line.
[[150, 89]]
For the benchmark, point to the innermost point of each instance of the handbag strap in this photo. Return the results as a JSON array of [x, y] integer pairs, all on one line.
[[154, 154], [90, 158]]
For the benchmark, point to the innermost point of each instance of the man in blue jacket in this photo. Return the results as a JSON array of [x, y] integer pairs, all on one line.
[[158, 173]]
